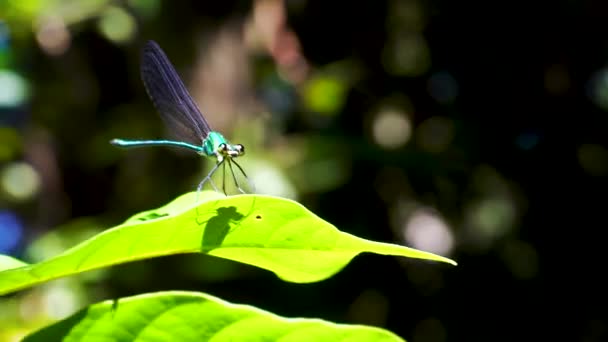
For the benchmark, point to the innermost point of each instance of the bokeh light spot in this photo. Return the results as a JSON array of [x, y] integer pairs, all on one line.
[[15, 90], [325, 94], [53, 36], [391, 128], [61, 301], [11, 231], [20, 181], [406, 54], [117, 25], [269, 180], [491, 218], [425, 230]]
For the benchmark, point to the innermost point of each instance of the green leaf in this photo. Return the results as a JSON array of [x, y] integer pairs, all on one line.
[[8, 262], [276, 234], [191, 316]]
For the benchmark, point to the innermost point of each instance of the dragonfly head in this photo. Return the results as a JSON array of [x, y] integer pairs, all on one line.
[[231, 151]]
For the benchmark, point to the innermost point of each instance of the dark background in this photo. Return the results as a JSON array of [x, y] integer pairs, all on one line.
[[522, 87]]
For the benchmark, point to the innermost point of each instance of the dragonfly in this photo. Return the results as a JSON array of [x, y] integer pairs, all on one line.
[[181, 114]]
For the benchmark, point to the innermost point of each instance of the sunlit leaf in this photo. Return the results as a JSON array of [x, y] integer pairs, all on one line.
[[190, 316], [272, 233], [7, 262]]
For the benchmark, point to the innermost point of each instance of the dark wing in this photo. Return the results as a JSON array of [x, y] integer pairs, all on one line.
[[170, 96]]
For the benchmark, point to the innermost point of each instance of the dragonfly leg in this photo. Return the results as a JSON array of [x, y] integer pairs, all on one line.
[[224, 178], [244, 174], [208, 178], [236, 182]]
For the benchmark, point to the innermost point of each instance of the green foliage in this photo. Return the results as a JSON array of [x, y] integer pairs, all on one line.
[[272, 233], [190, 316], [276, 234], [7, 262]]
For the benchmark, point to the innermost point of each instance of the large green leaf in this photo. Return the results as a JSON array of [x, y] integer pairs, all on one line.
[[276, 234], [191, 316]]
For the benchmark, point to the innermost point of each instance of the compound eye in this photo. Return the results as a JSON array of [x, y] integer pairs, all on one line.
[[240, 148]]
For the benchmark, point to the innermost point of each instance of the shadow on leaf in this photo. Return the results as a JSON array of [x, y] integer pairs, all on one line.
[[218, 227]]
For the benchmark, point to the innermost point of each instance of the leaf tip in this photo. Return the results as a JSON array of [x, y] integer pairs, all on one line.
[[446, 260]]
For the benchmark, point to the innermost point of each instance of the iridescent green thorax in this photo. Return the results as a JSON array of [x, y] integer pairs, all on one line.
[[212, 143]]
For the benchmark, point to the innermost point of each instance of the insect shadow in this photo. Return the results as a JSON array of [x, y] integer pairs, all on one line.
[[218, 226]]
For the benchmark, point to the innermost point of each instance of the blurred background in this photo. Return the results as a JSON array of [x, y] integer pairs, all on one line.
[[472, 130]]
